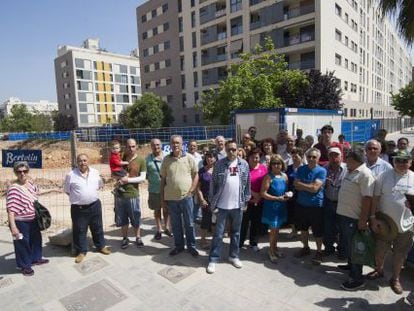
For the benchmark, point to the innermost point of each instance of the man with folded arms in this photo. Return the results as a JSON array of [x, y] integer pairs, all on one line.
[[391, 188], [354, 204], [82, 185]]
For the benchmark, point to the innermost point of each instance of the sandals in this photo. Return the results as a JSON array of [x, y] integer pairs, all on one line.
[[396, 286], [374, 275]]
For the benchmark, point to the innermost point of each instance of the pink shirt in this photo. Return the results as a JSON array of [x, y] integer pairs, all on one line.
[[256, 177]]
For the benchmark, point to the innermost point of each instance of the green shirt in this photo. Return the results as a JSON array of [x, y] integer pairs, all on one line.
[[153, 173], [135, 168]]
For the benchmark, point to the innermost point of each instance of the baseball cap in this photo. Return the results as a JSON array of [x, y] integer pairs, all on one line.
[[335, 150], [402, 154]]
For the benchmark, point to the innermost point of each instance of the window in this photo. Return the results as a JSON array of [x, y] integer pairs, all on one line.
[[346, 85], [181, 63], [180, 24], [197, 118], [184, 100], [338, 10], [181, 44], [166, 26], [194, 39], [79, 63], [166, 45], [135, 80], [180, 6], [66, 85], [144, 18], [338, 35], [195, 78], [346, 18], [235, 5], [145, 52], [146, 68], [338, 59], [164, 8], [192, 3], [346, 41], [346, 63], [155, 31], [183, 82], [157, 66], [156, 49], [193, 19], [194, 59], [196, 97], [144, 35], [168, 63]]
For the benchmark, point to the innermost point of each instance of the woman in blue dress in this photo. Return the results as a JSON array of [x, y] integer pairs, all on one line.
[[273, 192]]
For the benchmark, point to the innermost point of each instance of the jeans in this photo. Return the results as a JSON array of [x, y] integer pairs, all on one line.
[[252, 215], [178, 210], [82, 218], [28, 249], [235, 217], [330, 231], [347, 228], [196, 210]]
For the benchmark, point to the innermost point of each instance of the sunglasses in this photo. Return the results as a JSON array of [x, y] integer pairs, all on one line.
[[232, 149], [372, 148], [276, 163], [23, 171], [311, 157], [401, 161]]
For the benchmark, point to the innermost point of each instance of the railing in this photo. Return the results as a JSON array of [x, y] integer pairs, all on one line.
[[220, 13], [299, 38], [222, 35], [303, 10]]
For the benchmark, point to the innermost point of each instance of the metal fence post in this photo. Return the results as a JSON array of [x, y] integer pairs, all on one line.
[[73, 141]]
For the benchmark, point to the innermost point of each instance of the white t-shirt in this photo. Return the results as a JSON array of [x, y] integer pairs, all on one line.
[[230, 195], [391, 188]]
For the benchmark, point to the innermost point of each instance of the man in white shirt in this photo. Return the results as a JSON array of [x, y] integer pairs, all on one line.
[[220, 147], [82, 185], [374, 162], [389, 198]]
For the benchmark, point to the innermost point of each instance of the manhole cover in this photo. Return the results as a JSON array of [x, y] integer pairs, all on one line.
[[91, 265], [176, 274]]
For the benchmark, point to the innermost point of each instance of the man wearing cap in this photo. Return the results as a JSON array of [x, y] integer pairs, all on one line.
[[373, 160], [354, 203], [325, 143], [335, 172], [390, 199]]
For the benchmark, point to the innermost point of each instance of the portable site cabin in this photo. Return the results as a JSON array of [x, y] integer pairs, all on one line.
[[270, 121]]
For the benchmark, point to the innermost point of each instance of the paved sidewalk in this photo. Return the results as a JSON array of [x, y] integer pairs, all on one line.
[[148, 279]]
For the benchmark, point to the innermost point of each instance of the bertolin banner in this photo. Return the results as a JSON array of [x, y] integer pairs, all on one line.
[[33, 157]]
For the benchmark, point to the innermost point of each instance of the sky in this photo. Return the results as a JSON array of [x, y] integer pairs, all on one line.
[[31, 31]]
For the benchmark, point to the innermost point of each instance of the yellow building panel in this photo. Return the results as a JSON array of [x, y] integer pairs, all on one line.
[[101, 87], [101, 97], [107, 87], [100, 76], [106, 67], [108, 98], [107, 77], [103, 119], [99, 65]]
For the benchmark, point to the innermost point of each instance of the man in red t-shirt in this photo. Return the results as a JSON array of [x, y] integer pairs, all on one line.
[[326, 143]]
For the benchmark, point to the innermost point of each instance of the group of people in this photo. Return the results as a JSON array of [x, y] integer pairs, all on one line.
[[328, 187]]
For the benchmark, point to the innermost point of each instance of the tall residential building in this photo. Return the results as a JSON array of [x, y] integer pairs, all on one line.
[[94, 85], [41, 106], [186, 47]]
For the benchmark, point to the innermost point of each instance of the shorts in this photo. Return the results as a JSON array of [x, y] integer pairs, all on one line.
[[400, 246], [154, 201], [119, 174], [127, 210], [306, 217]]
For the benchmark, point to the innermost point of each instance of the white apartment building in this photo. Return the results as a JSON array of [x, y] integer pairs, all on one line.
[[41, 106], [206, 36], [94, 85]]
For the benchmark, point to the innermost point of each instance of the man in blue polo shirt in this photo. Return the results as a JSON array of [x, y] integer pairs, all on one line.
[[309, 184]]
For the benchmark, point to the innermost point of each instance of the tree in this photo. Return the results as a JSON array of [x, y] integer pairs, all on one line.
[[404, 12], [21, 120], [403, 101], [259, 81], [150, 111], [323, 92], [63, 122]]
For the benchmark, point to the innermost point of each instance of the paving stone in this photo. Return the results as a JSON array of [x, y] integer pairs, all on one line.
[[95, 297], [91, 265], [176, 274]]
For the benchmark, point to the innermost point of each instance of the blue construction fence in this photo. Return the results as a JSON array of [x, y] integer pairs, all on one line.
[[354, 131]]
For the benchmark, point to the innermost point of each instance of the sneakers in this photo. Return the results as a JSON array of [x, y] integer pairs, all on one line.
[[236, 262], [168, 233], [256, 248], [352, 285], [211, 268], [303, 252], [27, 271], [105, 250], [328, 252], [410, 298], [125, 243], [80, 257], [317, 260], [193, 252], [157, 236], [396, 286], [346, 267], [40, 262], [138, 242], [176, 251]]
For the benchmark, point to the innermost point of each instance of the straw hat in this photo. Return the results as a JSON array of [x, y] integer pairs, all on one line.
[[387, 228]]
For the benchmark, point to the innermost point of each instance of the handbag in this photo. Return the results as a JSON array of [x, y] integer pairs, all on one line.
[[43, 217], [363, 248]]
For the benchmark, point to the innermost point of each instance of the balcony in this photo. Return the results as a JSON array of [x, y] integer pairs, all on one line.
[[256, 24], [220, 13], [222, 35], [299, 38], [295, 12], [303, 65], [254, 2]]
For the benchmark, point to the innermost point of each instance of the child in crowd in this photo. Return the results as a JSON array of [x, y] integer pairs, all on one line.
[[116, 164]]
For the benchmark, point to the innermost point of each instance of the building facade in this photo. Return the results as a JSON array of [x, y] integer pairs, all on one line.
[[187, 46], [41, 106], [93, 85]]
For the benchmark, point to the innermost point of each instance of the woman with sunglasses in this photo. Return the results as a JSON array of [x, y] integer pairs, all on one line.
[[273, 192], [23, 225]]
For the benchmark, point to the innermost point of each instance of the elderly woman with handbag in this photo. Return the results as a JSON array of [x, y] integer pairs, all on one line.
[[24, 228]]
